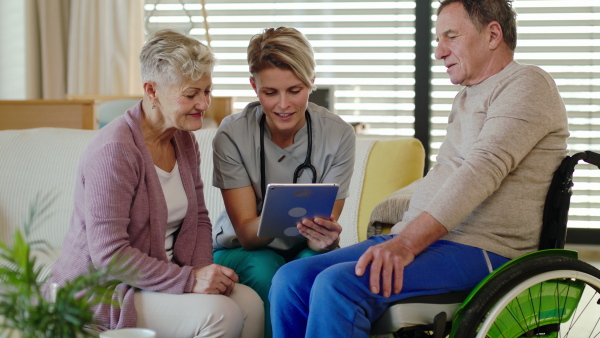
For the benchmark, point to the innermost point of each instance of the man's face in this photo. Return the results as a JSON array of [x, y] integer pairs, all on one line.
[[463, 49]]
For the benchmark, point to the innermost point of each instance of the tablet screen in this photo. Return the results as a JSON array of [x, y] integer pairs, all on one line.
[[286, 205]]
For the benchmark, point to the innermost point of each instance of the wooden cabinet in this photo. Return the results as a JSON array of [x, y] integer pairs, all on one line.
[[79, 112], [219, 107], [24, 114]]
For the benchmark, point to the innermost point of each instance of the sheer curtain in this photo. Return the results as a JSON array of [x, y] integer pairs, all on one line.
[[84, 47], [53, 27], [105, 38]]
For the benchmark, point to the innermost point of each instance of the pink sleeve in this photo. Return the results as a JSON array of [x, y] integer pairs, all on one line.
[[115, 189]]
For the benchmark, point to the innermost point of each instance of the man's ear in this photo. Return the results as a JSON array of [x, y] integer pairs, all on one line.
[[253, 84], [496, 37]]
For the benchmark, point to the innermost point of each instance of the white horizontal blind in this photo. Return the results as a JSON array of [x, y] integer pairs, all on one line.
[[364, 50], [365, 53], [563, 38]]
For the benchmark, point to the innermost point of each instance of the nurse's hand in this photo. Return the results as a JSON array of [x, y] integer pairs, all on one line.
[[322, 234]]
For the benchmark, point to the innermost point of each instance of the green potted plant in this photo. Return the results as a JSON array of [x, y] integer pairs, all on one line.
[[33, 307]]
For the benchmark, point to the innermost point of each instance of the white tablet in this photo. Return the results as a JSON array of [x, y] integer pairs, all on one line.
[[286, 205]]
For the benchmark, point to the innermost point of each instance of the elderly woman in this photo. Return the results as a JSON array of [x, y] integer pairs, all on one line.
[[282, 68], [139, 198]]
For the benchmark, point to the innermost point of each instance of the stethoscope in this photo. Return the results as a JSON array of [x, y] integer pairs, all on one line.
[[306, 165]]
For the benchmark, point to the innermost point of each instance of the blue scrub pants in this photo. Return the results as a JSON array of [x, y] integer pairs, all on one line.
[[321, 296]]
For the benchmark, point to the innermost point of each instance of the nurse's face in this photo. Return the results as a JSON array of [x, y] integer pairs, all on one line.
[[284, 98]]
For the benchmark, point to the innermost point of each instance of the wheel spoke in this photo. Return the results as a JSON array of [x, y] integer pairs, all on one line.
[[594, 328], [537, 318], [499, 330], [557, 298], [575, 317], [564, 307], [523, 315], [515, 317]]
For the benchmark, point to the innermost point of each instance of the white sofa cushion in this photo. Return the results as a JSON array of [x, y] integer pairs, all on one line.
[[37, 174]]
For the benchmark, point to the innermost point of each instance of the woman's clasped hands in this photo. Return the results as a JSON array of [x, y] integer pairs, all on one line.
[[215, 279]]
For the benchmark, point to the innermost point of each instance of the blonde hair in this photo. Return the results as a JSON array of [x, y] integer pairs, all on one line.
[[169, 57], [284, 48]]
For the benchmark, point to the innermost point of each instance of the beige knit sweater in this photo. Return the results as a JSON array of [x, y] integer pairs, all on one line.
[[505, 138]]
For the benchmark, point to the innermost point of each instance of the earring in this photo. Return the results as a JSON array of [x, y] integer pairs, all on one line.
[[153, 107]]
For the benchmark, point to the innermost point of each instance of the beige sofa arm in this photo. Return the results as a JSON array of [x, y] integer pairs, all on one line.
[[391, 210]]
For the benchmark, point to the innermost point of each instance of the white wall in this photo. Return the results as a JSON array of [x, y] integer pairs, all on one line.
[[12, 49]]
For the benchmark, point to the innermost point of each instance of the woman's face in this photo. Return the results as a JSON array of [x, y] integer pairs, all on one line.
[[284, 98], [183, 105]]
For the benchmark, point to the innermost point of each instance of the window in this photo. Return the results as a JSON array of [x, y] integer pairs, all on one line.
[[364, 51], [365, 55]]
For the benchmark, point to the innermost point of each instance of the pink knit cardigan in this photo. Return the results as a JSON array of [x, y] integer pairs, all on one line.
[[120, 209]]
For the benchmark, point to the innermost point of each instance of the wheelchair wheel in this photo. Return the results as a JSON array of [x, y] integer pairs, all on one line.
[[545, 297]]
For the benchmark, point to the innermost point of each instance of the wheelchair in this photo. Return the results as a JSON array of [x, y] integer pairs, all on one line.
[[547, 293]]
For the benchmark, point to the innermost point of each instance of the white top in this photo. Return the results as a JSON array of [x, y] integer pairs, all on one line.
[[236, 155], [177, 204]]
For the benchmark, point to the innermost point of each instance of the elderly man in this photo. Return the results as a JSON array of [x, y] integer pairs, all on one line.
[[478, 207]]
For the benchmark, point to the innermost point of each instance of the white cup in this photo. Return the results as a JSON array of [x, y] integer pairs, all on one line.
[[128, 333]]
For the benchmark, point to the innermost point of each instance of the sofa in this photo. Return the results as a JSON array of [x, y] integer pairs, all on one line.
[[38, 166]]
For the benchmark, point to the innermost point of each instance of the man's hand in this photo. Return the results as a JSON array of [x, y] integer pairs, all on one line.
[[215, 279], [388, 261], [322, 234], [389, 258]]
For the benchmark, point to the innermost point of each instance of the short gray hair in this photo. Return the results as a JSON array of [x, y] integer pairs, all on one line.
[[482, 12], [169, 57]]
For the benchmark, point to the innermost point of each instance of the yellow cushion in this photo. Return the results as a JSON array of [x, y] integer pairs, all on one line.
[[392, 165]]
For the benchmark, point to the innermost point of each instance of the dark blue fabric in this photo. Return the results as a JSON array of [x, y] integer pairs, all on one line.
[[321, 296]]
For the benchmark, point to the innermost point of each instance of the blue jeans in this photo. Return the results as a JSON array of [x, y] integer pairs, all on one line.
[[321, 296]]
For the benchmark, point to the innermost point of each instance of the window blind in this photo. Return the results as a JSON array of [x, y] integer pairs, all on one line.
[[563, 38], [364, 51], [365, 57]]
